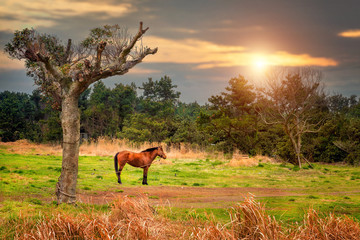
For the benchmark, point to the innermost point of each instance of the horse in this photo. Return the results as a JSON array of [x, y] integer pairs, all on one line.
[[141, 160]]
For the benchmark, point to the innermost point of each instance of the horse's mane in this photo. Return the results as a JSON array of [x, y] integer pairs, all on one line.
[[150, 149]]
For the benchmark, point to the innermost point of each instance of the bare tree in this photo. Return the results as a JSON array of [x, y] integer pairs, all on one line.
[[290, 100], [65, 71]]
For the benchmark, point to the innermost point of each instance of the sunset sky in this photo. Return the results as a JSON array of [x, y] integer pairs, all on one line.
[[203, 43]]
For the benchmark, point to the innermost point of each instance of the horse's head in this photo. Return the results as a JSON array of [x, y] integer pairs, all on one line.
[[161, 152]]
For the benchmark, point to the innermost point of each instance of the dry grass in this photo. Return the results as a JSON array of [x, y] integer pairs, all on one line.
[[251, 222], [239, 159], [128, 219], [329, 227], [108, 147], [135, 219], [27, 147]]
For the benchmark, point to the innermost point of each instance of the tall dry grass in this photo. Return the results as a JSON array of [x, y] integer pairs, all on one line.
[[328, 227], [251, 222], [135, 219], [128, 219], [26, 147], [109, 147], [106, 147]]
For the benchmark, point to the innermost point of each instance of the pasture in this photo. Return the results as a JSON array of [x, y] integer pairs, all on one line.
[[180, 189]]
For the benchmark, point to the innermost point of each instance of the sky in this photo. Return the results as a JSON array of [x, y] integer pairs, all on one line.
[[203, 43]]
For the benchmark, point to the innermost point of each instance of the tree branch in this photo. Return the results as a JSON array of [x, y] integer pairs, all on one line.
[[54, 72], [125, 52], [119, 66], [67, 53], [265, 120], [99, 50]]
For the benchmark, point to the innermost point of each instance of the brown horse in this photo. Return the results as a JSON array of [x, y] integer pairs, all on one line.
[[142, 160]]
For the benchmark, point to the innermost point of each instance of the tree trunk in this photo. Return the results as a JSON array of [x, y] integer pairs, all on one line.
[[298, 156], [296, 143], [70, 121], [298, 150]]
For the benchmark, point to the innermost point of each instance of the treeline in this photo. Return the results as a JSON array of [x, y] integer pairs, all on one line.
[[251, 120], [155, 115]]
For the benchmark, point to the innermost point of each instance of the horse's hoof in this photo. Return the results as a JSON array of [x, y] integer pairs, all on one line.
[[119, 182], [145, 184]]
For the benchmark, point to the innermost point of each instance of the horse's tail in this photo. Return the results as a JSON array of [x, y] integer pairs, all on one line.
[[116, 165]]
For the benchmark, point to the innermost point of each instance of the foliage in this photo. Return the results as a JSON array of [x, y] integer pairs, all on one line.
[[160, 90], [160, 117], [338, 138], [232, 120], [107, 109], [19, 116]]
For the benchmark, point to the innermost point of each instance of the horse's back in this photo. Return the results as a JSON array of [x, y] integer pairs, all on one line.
[[123, 156], [128, 156]]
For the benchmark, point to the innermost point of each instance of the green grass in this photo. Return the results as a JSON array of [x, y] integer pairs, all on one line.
[[328, 188], [204, 214]]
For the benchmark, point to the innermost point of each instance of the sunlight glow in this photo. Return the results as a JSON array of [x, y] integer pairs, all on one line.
[[350, 33], [205, 55], [260, 63]]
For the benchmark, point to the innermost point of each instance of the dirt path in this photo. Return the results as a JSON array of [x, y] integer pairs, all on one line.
[[186, 197]]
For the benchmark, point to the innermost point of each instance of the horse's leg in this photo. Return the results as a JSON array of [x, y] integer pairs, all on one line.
[[118, 174], [144, 182]]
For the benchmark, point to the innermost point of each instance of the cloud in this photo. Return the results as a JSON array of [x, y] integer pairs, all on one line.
[[288, 59], [205, 55], [18, 14], [142, 71], [188, 50], [184, 30], [7, 63], [355, 33]]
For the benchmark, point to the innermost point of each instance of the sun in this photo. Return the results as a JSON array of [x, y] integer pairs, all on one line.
[[260, 63]]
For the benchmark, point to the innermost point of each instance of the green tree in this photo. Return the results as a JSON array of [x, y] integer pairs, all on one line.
[[189, 110], [107, 109], [159, 98], [123, 100], [139, 127], [232, 120], [160, 91], [155, 119], [99, 113], [187, 130], [51, 125], [65, 71], [345, 123], [19, 116]]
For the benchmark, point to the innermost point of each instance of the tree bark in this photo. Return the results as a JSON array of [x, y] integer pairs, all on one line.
[[70, 121], [298, 150]]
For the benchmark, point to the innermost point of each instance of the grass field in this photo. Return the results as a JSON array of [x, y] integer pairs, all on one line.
[[27, 183]]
